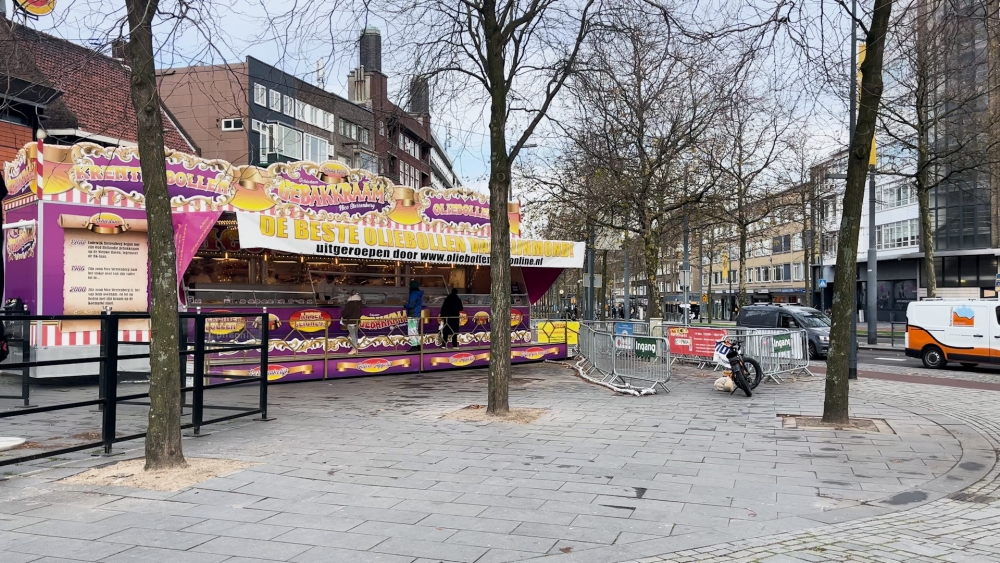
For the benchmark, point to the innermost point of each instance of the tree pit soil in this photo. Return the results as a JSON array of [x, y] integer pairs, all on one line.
[[131, 473], [854, 424], [477, 413]]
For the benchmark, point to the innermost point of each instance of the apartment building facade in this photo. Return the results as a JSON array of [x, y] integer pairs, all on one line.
[[254, 113]]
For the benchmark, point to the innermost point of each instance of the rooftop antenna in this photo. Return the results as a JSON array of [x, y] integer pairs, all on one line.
[[320, 75]]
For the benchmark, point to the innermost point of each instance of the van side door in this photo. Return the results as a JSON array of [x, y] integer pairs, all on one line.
[[994, 341], [967, 336]]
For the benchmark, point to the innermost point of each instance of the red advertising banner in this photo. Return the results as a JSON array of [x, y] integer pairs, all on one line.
[[700, 342]]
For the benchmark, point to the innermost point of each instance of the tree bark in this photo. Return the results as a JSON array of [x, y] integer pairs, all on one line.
[[808, 245], [163, 437], [604, 285], [836, 403], [923, 180], [993, 51], [500, 166], [651, 249], [742, 290]]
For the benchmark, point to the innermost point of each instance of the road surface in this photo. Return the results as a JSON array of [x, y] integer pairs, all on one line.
[[898, 358]]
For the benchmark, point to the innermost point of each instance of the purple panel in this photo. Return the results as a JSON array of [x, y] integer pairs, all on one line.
[[53, 248], [21, 273]]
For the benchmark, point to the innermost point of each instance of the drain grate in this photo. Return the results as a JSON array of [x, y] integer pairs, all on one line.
[[970, 497]]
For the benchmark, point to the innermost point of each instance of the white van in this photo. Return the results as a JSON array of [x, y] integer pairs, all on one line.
[[939, 331]]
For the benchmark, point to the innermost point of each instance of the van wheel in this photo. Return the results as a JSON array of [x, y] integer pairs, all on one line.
[[812, 351], [969, 365], [933, 358]]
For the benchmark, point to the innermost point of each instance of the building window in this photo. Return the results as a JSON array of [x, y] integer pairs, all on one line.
[[765, 274], [776, 275], [316, 148], [275, 100], [300, 111], [381, 129], [797, 271], [265, 142], [285, 141], [828, 207], [896, 194], [781, 244], [232, 124], [796, 242], [897, 235], [369, 161], [260, 95], [364, 136], [749, 275], [830, 243], [289, 106]]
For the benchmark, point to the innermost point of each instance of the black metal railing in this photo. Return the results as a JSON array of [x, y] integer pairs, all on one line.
[[192, 343]]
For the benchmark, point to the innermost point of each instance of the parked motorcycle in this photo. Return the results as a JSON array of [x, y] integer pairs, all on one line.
[[747, 373]]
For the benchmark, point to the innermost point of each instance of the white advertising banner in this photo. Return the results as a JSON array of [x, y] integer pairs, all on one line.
[[348, 240]]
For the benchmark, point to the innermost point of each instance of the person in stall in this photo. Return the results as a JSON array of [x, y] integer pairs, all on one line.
[[449, 318], [351, 317], [414, 307]]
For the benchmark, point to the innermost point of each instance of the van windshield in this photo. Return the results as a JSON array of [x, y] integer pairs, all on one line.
[[814, 320]]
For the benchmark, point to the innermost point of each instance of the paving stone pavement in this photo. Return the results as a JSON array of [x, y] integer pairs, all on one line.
[[366, 470]]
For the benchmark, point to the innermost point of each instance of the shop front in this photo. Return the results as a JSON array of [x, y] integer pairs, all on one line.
[[290, 244]]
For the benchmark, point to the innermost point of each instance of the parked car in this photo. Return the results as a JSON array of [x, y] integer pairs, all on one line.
[[939, 331], [778, 315]]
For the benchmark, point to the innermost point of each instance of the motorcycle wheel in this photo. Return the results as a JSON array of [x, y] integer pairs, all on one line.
[[754, 373], [741, 381]]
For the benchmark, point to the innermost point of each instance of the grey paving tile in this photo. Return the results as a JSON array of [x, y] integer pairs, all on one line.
[[419, 532], [70, 513], [477, 523], [242, 547], [503, 541], [167, 539], [333, 523], [329, 555], [327, 538], [157, 555], [592, 535], [431, 550], [81, 549]]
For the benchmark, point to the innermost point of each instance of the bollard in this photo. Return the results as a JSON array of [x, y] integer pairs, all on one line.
[[109, 335]]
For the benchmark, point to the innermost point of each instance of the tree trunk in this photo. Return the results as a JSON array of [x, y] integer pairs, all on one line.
[[808, 244], [835, 406], [742, 290], [500, 165], [923, 180], [652, 253], [604, 284], [163, 437], [993, 50]]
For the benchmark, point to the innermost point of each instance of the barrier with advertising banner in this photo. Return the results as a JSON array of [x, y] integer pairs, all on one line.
[[694, 342]]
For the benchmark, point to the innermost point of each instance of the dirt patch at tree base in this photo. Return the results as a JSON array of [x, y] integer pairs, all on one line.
[[130, 473], [477, 413]]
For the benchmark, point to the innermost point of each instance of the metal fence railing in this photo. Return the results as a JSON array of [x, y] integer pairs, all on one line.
[[194, 346], [619, 360]]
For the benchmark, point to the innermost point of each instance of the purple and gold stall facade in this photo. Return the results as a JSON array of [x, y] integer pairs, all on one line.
[[75, 243]]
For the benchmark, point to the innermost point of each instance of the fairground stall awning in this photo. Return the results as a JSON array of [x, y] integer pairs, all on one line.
[[306, 208]]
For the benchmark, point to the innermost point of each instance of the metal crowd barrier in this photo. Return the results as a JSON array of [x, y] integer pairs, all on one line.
[[778, 351], [619, 360]]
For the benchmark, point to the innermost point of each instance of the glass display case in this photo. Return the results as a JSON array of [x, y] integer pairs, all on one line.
[[236, 295]]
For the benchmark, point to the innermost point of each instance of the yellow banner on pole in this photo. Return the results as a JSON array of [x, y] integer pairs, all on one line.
[[861, 58]]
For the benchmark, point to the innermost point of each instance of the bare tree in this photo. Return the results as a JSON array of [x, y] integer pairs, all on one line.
[[163, 435], [641, 103], [745, 148], [835, 405]]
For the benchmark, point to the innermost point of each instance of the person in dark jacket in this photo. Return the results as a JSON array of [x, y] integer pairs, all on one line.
[[449, 318], [414, 307], [350, 317]]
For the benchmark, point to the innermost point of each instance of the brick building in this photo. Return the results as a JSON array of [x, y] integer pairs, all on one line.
[[254, 113]]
